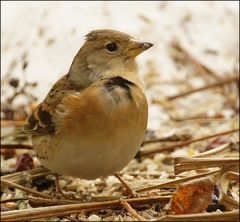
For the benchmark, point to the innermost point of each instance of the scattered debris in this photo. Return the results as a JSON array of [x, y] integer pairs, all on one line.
[[186, 168]]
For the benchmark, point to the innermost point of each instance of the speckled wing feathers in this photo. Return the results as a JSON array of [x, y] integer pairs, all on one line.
[[41, 121], [55, 107]]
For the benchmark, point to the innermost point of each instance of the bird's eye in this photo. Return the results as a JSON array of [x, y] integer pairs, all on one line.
[[111, 47]]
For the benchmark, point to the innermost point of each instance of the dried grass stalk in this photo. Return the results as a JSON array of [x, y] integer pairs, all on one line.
[[132, 211], [229, 202], [216, 216], [182, 164], [225, 148], [33, 173], [28, 190], [55, 211], [220, 83], [145, 152], [174, 183]]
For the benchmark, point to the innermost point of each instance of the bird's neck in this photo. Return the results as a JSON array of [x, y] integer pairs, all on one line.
[[80, 74], [83, 74]]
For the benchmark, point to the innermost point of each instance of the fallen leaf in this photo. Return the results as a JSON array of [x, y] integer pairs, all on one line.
[[24, 162], [192, 197], [229, 181], [8, 153], [217, 142]]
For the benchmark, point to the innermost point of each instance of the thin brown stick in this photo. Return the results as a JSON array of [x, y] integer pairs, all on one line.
[[200, 68], [145, 174], [58, 189], [222, 149], [203, 119], [172, 138], [54, 211], [132, 211], [20, 187], [182, 164], [16, 146], [215, 216], [40, 202], [33, 173], [17, 123], [13, 200], [128, 188], [220, 83], [175, 182], [172, 147]]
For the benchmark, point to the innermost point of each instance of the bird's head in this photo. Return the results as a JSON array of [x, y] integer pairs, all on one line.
[[107, 52], [110, 44]]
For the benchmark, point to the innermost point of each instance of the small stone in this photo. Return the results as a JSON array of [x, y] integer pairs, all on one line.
[[214, 207], [3, 208], [94, 217], [14, 82], [127, 177], [152, 167], [62, 183], [42, 183]]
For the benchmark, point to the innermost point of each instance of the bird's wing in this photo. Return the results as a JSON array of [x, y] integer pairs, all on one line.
[[105, 97], [106, 101], [42, 120]]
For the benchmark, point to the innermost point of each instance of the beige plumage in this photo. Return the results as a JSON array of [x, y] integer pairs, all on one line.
[[92, 121]]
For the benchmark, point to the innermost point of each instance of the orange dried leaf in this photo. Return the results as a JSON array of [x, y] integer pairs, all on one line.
[[192, 198]]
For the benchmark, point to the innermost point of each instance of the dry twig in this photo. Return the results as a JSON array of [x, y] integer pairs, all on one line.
[[215, 216], [132, 211], [215, 151], [20, 187], [54, 211], [175, 182], [182, 164], [16, 123], [33, 173], [13, 200], [172, 138], [220, 83], [128, 188], [16, 146], [172, 147], [39, 201], [200, 68]]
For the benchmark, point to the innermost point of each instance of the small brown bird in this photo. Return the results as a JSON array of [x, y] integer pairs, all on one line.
[[92, 122]]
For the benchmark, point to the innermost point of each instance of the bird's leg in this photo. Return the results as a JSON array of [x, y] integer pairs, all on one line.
[[130, 192], [59, 192]]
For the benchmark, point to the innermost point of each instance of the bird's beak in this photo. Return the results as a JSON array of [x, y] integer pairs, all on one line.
[[136, 47]]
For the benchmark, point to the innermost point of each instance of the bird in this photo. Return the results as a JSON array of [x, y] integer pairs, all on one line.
[[92, 122]]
